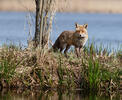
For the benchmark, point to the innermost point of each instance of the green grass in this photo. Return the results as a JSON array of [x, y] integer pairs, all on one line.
[[93, 74], [7, 70], [8, 63]]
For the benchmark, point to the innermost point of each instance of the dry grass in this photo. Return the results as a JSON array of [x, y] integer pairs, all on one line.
[[104, 6], [37, 69]]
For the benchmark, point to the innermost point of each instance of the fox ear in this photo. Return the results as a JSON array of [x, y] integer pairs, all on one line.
[[85, 25], [76, 25]]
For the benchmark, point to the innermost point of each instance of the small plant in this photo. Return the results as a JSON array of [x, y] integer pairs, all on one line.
[[70, 79], [8, 62], [48, 79], [40, 76], [7, 70], [60, 72], [93, 74]]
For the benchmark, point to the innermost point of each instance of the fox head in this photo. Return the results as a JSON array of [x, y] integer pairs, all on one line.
[[81, 30]]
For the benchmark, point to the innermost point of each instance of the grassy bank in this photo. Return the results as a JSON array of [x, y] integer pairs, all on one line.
[[96, 69]]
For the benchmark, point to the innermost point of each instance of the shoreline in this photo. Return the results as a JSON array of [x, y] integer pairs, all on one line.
[[78, 6]]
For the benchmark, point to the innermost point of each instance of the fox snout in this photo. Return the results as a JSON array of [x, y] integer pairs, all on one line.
[[82, 35]]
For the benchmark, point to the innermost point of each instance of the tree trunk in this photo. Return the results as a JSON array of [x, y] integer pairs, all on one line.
[[43, 23], [37, 24]]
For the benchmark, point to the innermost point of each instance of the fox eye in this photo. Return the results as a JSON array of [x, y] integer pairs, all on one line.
[[78, 31], [82, 31]]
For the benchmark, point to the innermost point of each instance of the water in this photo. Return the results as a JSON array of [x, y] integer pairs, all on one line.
[[103, 29], [51, 95]]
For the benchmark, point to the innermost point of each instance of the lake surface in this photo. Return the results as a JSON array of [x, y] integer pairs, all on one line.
[[105, 29], [51, 95]]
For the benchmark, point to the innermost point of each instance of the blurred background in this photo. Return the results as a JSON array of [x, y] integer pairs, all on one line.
[[104, 6]]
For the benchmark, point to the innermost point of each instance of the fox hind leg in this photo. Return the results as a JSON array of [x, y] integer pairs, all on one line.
[[61, 49], [65, 51]]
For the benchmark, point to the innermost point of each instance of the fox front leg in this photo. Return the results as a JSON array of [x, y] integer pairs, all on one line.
[[77, 51], [80, 51]]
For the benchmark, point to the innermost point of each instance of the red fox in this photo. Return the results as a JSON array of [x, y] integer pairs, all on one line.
[[76, 38]]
